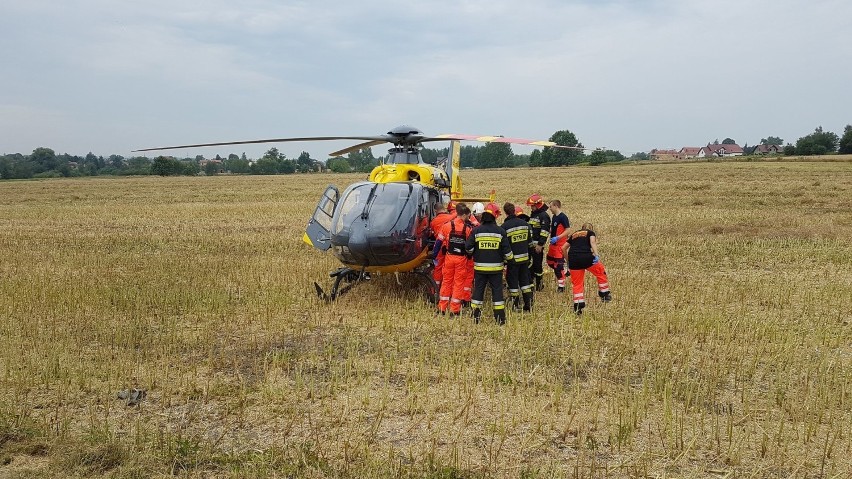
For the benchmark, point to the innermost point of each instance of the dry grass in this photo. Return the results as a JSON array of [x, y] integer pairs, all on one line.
[[726, 353]]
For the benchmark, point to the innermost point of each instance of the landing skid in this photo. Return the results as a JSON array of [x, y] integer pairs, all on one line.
[[346, 278]]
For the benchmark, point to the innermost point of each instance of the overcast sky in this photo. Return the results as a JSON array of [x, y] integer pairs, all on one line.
[[109, 76]]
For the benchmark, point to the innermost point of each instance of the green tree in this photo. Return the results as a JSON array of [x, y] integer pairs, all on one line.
[[729, 141], [190, 167], [535, 158], [599, 157], [138, 165], [494, 155], [817, 143], [286, 166], [116, 161], [520, 161], [270, 163], [304, 164], [339, 165], [772, 140], [561, 156], [789, 150], [362, 161], [265, 166], [467, 155], [5, 168], [166, 166], [846, 140], [211, 169], [236, 164], [43, 159], [640, 156]]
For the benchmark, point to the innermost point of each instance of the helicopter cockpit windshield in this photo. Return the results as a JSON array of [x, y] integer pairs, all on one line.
[[384, 207]]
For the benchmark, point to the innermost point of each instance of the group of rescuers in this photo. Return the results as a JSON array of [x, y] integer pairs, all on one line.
[[471, 250]]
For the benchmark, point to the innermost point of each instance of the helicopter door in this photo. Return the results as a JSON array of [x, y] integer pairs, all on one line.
[[318, 232]]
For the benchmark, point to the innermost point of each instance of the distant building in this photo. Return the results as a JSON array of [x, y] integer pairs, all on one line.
[[689, 151], [768, 150], [657, 154], [719, 150]]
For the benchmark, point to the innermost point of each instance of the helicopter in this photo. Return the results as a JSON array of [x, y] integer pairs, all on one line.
[[381, 225]]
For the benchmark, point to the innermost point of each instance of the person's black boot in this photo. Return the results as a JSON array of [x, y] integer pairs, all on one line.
[[578, 307], [605, 297], [539, 284], [560, 289], [516, 303], [477, 314], [528, 300], [500, 316]]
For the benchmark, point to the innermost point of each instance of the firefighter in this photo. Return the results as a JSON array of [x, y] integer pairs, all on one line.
[[519, 212], [442, 216], [476, 210], [540, 223], [473, 221], [489, 246], [518, 269], [559, 224], [581, 248], [452, 239]]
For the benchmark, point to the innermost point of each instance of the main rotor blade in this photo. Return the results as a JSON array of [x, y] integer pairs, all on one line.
[[380, 139], [501, 139], [357, 147]]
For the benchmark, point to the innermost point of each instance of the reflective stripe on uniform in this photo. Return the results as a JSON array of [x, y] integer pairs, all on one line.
[[488, 269], [489, 235], [488, 265]]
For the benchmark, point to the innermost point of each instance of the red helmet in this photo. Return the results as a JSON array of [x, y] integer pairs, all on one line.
[[534, 200], [451, 206], [493, 209], [519, 210]]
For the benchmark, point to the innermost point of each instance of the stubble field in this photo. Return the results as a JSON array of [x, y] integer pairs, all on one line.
[[726, 352]]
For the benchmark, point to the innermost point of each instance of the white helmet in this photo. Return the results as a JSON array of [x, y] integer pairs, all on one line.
[[477, 208]]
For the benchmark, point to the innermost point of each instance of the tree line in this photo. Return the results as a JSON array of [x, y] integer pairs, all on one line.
[[45, 163]]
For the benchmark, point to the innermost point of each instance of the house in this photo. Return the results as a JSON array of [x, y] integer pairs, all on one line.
[[768, 150], [719, 150], [205, 162], [218, 165], [689, 151], [657, 154]]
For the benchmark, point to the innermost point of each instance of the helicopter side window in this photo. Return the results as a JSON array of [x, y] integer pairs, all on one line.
[[327, 207], [351, 206], [391, 205]]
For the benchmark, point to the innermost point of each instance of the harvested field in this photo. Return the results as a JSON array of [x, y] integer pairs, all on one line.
[[727, 351]]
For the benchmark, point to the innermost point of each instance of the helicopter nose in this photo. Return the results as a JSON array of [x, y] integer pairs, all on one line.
[[358, 246]]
